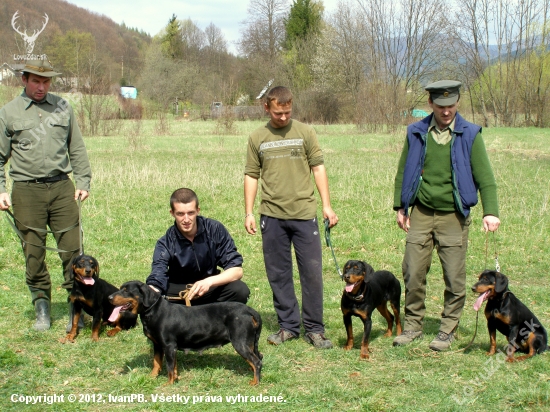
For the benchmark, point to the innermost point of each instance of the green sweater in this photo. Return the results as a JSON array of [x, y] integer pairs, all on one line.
[[436, 190]]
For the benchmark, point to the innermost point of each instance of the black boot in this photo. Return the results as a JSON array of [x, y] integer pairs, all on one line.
[[71, 315], [41, 299], [42, 309]]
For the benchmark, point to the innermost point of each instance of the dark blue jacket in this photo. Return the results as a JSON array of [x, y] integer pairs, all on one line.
[[464, 187], [177, 261]]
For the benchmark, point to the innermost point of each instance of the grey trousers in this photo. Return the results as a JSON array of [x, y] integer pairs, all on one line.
[[448, 233], [277, 237]]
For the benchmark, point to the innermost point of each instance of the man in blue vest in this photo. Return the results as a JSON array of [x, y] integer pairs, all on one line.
[[442, 166]]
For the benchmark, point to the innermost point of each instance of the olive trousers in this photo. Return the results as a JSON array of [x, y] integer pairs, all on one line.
[[448, 233], [41, 205]]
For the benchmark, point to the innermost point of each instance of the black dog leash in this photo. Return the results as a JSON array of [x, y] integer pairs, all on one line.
[[329, 243], [80, 230], [497, 266]]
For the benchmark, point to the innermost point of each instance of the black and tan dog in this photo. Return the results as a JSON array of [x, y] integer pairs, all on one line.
[[174, 327], [365, 291], [91, 294], [508, 315]]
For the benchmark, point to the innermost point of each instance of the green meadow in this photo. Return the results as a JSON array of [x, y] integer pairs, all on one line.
[[134, 174]]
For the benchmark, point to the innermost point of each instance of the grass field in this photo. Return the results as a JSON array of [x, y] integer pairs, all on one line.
[[128, 211]]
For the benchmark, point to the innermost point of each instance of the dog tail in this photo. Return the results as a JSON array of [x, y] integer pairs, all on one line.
[[257, 321]]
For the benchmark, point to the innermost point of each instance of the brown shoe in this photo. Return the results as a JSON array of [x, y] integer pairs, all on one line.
[[318, 340], [282, 336], [407, 337], [442, 341]]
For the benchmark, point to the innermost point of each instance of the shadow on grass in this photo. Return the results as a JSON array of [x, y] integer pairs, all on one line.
[[270, 324], [194, 360], [431, 327]]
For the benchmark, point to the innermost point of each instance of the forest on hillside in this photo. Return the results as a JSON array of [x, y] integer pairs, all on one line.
[[366, 63], [72, 31]]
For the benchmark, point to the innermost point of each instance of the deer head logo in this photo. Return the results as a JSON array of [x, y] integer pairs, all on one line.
[[29, 40]]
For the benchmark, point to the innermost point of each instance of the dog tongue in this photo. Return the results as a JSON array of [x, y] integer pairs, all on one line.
[[349, 287], [115, 313], [480, 300], [88, 281]]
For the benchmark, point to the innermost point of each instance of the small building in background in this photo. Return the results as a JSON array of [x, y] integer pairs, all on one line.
[[128, 92], [9, 71]]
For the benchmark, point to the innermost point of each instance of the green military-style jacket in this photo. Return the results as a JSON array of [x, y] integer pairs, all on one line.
[[42, 140]]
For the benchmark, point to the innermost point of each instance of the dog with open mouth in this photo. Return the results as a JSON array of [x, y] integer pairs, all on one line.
[[507, 314], [365, 291], [171, 327], [91, 294]]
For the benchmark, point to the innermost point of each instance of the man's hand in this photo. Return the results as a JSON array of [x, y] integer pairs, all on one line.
[[403, 221], [5, 202], [250, 224], [329, 214], [199, 288], [490, 223], [83, 194]]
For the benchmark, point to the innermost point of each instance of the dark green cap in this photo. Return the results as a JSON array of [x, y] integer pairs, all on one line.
[[444, 92]]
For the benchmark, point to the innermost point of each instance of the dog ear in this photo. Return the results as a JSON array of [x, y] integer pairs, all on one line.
[[501, 282], [96, 264], [147, 293], [369, 270], [73, 265]]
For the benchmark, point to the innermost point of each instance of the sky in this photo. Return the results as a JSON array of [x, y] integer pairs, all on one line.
[[153, 15]]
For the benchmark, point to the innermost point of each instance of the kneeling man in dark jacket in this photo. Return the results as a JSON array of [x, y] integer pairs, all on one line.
[[190, 253]]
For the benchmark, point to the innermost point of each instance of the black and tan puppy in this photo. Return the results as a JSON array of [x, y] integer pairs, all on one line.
[[365, 291], [172, 327], [508, 315], [91, 294]]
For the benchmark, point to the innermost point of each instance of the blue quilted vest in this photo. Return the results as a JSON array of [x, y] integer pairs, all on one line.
[[464, 187]]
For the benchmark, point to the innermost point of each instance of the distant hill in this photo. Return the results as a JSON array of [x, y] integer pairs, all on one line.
[[115, 43]]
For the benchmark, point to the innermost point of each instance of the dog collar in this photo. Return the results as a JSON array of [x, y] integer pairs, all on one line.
[[151, 307], [361, 296]]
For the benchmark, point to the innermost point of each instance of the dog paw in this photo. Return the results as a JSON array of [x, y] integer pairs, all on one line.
[[113, 332], [364, 356]]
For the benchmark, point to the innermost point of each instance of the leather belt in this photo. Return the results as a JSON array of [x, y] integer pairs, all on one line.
[[52, 179]]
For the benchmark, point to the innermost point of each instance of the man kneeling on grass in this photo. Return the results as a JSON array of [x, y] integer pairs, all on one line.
[[190, 253]]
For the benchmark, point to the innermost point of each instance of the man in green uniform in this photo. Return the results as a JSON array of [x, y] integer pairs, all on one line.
[[443, 165], [40, 137]]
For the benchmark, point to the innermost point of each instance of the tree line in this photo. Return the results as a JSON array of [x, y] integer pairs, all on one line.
[[366, 62]]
